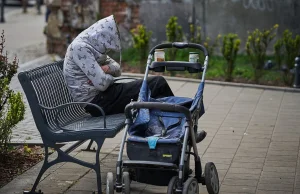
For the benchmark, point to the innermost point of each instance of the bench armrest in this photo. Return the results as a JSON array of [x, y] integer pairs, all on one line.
[[63, 106]]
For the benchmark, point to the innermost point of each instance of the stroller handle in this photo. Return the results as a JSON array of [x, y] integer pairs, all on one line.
[[160, 106], [180, 45]]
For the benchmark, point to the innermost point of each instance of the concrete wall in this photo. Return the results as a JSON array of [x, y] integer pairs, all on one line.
[[240, 16], [221, 16]]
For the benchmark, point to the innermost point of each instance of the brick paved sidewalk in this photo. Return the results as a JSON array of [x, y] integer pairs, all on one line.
[[253, 137]]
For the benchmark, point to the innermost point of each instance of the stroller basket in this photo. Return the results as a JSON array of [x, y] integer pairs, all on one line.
[[158, 135]]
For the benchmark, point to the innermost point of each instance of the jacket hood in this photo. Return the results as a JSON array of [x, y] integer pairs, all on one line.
[[103, 36]]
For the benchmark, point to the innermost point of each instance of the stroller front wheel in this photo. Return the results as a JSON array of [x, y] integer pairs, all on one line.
[[172, 185], [211, 178], [191, 186], [126, 183], [110, 183]]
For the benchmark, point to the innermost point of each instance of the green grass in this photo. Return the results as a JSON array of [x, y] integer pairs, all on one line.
[[243, 71]]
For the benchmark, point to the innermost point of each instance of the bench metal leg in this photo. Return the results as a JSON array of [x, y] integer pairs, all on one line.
[[97, 165], [42, 171], [64, 157], [88, 149]]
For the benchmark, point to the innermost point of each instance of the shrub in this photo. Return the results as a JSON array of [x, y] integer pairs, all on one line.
[[12, 108], [196, 37], [195, 34], [286, 50], [141, 38], [278, 52], [256, 47], [230, 48], [174, 34], [291, 51]]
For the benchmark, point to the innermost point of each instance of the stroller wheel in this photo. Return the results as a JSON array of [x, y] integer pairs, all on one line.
[[126, 183], [110, 183], [191, 186], [211, 178], [172, 185]]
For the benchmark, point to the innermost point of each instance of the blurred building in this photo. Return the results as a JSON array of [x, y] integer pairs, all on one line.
[[214, 16], [66, 20]]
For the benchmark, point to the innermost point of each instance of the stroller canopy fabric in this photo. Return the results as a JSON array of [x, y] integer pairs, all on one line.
[[165, 126]]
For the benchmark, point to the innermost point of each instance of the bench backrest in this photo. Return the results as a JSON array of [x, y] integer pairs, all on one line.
[[46, 86]]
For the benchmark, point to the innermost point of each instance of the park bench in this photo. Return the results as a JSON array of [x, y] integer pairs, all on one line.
[[59, 119]]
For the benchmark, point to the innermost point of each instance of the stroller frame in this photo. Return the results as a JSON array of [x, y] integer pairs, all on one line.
[[191, 124]]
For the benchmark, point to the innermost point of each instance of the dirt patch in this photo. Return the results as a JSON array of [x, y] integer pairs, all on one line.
[[17, 161]]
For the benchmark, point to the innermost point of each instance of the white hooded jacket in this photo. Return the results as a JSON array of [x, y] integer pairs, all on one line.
[[84, 55]]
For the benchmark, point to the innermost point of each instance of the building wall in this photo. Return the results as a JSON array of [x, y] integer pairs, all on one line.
[[214, 16], [221, 16]]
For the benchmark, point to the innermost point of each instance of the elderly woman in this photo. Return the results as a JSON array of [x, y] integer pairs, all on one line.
[[89, 72]]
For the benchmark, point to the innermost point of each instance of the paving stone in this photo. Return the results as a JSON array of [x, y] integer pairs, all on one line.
[[260, 128], [154, 189], [284, 175], [237, 189], [272, 192], [247, 165], [54, 186], [240, 182], [284, 145], [254, 152], [246, 159], [219, 155], [248, 139], [220, 150], [297, 182], [280, 164], [250, 134], [65, 176], [225, 144], [283, 153], [234, 124], [230, 132], [228, 137], [287, 158], [296, 191], [242, 176], [78, 192], [276, 187], [85, 184], [276, 180], [176, 85], [244, 171], [285, 137], [260, 144]]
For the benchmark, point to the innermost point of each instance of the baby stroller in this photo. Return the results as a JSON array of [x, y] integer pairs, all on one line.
[[161, 134]]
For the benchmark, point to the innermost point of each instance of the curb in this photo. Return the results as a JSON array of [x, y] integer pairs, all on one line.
[[265, 87], [38, 62]]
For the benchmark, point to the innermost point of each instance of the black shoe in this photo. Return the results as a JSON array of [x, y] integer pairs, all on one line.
[[200, 136]]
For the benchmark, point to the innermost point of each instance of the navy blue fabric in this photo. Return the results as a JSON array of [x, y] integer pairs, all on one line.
[[143, 117], [173, 100], [145, 140], [151, 122], [198, 97]]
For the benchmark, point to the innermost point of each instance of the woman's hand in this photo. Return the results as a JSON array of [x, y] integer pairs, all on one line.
[[105, 68]]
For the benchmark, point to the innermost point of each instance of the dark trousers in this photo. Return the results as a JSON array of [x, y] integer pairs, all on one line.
[[114, 99]]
